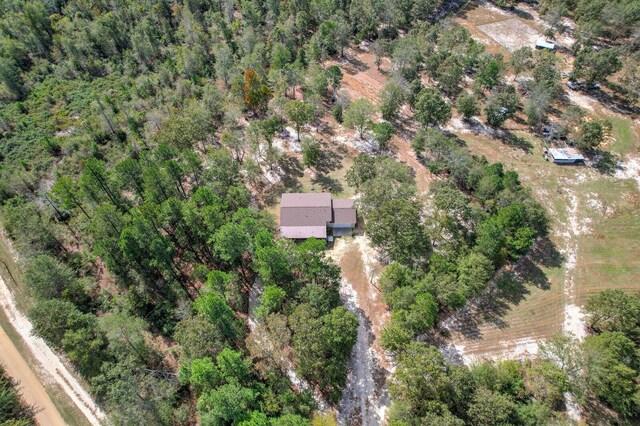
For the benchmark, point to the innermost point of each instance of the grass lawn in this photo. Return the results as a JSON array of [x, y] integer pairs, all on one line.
[[623, 131], [329, 176], [609, 253], [334, 182]]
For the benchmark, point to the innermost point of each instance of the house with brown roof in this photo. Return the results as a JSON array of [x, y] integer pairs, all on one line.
[[306, 215]]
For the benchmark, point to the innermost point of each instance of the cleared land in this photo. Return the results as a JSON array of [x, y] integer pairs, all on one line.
[[365, 399], [595, 221], [594, 242], [511, 33], [593, 246]]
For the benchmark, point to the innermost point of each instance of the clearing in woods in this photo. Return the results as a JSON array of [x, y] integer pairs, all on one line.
[[365, 398], [595, 221], [503, 33], [593, 244]]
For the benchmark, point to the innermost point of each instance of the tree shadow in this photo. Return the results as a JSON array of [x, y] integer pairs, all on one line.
[[351, 64], [325, 129], [290, 166], [522, 14], [504, 135], [545, 253], [515, 141], [289, 170], [447, 8], [441, 340], [597, 413], [327, 183], [614, 102], [605, 162], [564, 50], [271, 196], [405, 128], [329, 159]]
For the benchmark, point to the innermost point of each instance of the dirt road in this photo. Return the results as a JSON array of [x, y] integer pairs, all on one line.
[[32, 390], [47, 360]]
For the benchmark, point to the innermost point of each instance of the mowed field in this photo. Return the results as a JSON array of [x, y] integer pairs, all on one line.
[[594, 244]]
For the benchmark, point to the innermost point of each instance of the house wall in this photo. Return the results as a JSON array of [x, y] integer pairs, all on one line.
[[342, 225], [562, 161]]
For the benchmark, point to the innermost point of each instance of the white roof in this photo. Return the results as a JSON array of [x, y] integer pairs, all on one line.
[[545, 43], [301, 232], [565, 154]]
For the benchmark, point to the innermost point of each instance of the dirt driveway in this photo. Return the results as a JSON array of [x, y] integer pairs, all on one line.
[[365, 399], [32, 390]]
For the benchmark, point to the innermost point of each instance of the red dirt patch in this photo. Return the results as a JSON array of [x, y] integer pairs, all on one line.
[[362, 79]]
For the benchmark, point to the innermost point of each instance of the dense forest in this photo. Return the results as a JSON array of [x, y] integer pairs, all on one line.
[[135, 137]]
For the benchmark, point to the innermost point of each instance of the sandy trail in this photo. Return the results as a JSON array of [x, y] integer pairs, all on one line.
[[365, 398], [573, 317], [361, 79], [32, 390], [48, 363]]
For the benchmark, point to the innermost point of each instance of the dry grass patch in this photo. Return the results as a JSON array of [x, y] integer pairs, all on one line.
[[511, 33]]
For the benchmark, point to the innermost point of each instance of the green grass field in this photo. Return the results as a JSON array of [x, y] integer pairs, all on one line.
[[623, 132]]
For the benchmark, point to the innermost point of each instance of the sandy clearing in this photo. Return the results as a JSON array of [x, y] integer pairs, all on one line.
[[525, 348], [574, 321], [361, 76], [581, 100], [362, 79], [359, 265], [573, 317], [630, 170], [288, 141], [33, 392], [503, 31], [361, 404], [48, 362]]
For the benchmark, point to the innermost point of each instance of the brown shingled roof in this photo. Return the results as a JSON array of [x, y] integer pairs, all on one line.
[[343, 203], [344, 216], [305, 216], [312, 199]]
